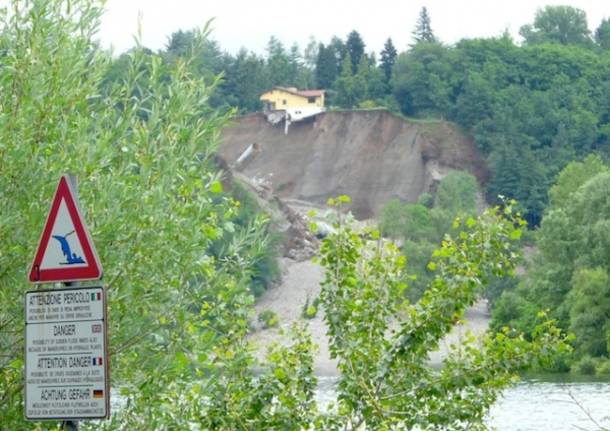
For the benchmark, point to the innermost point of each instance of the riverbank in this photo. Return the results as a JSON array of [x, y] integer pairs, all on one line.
[[300, 282]]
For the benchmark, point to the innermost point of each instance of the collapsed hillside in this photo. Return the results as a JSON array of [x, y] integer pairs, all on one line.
[[373, 156]]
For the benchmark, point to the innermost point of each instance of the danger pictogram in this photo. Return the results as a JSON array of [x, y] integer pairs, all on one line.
[[66, 251]]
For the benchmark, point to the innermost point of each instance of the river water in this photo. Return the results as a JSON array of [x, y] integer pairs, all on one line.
[[549, 403], [542, 403]]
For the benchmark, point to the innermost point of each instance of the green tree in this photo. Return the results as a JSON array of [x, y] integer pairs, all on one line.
[[602, 34], [153, 198], [572, 177], [246, 79], [310, 54], [376, 86], [423, 28], [572, 260], [326, 67], [339, 49], [348, 86], [408, 221], [301, 77], [354, 46], [208, 60], [475, 101], [420, 80], [589, 302], [558, 24], [421, 229], [520, 176], [384, 382], [279, 68], [457, 193], [388, 58], [362, 78]]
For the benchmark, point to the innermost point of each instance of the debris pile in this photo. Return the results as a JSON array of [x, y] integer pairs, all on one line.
[[299, 242]]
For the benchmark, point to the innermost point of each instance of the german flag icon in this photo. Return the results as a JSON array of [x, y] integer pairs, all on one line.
[[98, 393]]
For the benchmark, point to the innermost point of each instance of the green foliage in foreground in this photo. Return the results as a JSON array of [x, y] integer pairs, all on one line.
[[252, 233], [382, 342], [570, 274], [169, 240]]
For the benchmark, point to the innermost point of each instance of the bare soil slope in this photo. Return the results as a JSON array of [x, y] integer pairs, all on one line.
[[373, 156]]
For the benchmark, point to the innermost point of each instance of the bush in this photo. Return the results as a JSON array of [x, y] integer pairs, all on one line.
[[514, 311], [368, 104], [250, 227], [310, 311], [496, 286], [603, 368], [269, 319], [586, 366], [457, 192], [426, 199], [561, 363]]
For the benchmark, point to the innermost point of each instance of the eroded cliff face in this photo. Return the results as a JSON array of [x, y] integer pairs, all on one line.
[[372, 156]]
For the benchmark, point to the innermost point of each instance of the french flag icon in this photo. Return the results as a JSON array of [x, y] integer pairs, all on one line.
[[96, 361]]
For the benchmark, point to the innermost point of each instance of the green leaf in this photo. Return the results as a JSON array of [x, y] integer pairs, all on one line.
[[216, 187], [279, 374]]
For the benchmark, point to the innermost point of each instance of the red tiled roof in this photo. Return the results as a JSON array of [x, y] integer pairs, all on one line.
[[309, 93]]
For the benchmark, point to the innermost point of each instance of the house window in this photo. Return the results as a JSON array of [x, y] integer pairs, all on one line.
[[311, 99], [284, 102]]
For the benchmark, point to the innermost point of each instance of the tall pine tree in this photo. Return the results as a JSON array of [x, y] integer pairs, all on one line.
[[423, 30], [388, 58], [602, 34], [355, 48], [326, 67], [344, 85], [278, 63]]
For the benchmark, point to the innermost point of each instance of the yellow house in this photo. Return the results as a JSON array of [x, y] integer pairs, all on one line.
[[281, 98]]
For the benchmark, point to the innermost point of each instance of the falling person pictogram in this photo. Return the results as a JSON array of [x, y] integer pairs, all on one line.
[[71, 258]]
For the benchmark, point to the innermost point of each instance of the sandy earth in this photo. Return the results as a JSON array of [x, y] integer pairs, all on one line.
[[302, 280]]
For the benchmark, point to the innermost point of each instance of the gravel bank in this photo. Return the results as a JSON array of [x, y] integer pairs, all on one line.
[[302, 280]]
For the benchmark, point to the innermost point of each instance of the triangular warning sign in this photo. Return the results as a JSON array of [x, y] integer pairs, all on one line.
[[66, 251]]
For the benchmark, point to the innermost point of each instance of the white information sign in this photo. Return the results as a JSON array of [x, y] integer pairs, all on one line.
[[66, 367]]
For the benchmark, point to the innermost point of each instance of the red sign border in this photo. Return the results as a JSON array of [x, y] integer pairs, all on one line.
[[93, 270]]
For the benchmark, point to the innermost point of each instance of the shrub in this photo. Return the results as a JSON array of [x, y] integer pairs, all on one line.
[[586, 366], [310, 311], [603, 368], [269, 319], [426, 199]]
